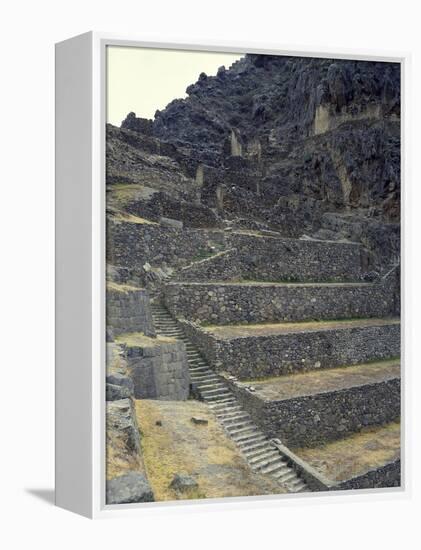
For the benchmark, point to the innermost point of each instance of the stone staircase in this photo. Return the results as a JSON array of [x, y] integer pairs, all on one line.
[[260, 454]]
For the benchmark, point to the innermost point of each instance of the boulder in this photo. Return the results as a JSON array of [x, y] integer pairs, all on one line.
[[120, 380], [197, 420], [183, 482], [115, 392], [169, 222], [129, 488]]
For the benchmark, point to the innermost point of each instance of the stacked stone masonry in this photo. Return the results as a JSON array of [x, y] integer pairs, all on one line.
[[275, 259], [298, 349], [128, 310], [159, 371], [311, 420], [388, 475], [249, 257], [224, 304]]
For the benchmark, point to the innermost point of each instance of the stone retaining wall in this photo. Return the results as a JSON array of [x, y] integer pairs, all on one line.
[[159, 371], [277, 354], [134, 244], [260, 258], [388, 475], [128, 310], [230, 304], [274, 259], [313, 420], [220, 267]]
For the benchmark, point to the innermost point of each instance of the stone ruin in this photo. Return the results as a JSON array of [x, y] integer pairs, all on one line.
[[253, 263]]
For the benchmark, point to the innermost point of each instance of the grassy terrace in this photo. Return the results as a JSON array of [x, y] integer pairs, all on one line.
[[202, 451], [121, 287], [127, 192], [356, 454], [226, 332], [119, 459], [275, 283], [138, 340], [315, 382], [131, 218]]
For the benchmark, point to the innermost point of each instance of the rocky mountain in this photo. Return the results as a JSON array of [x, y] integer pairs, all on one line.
[[307, 147]]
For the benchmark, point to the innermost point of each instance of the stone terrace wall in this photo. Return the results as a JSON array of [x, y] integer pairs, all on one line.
[[228, 304], [275, 259], [159, 371], [314, 420], [224, 266], [245, 257], [388, 475], [134, 244], [274, 355], [128, 310]]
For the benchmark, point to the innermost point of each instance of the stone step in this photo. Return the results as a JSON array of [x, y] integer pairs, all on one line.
[[234, 431], [209, 386], [301, 487], [257, 450], [288, 477], [199, 367], [205, 378], [276, 467], [282, 472], [222, 397], [226, 412], [252, 434], [277, 302], [254, 351], [253, 438], [259, 446], [260, 459], [223, 409], [245, 422], [198, 363], [200, 371], [232, 419], [268, 463], [203, 372], [268, 452], [222, 389], [304, 410], [296, 484]]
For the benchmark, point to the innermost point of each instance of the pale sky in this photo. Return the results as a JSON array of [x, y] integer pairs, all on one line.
[[144, 80]]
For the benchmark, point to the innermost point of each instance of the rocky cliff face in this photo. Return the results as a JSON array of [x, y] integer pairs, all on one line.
[[303, 146]]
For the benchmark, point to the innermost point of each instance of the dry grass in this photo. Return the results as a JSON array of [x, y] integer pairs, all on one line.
[[138, 339], [313, 382], [131, 218], [119, 460], [202, 451], [266, 283], [226, 332], [124, 288], [356, 454]]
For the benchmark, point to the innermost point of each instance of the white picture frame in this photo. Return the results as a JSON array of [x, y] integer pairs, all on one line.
[[80, 269]]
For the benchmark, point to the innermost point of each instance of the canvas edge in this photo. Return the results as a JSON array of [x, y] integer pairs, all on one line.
[[73, 258], [100, 41]]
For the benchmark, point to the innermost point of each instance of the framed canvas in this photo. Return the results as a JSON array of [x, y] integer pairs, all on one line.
[[228, 320]]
